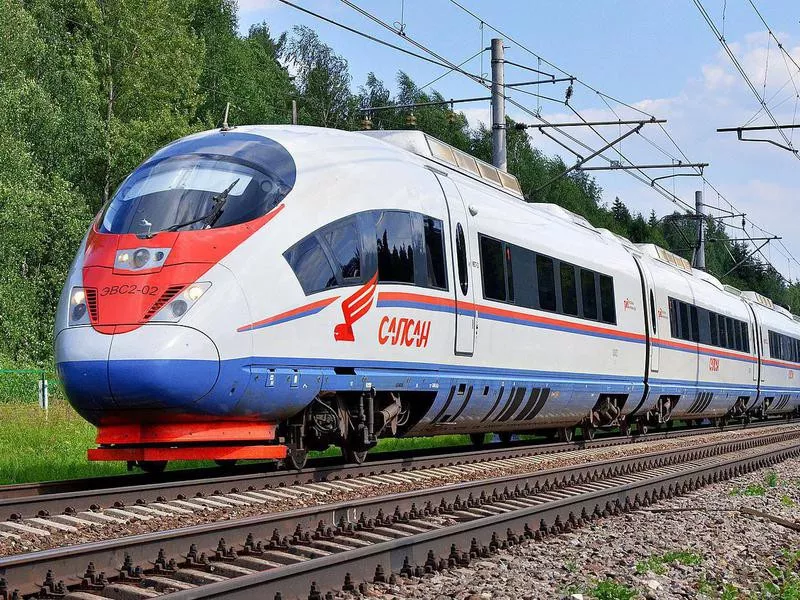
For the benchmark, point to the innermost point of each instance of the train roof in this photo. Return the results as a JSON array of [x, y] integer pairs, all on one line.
[[422, 144]]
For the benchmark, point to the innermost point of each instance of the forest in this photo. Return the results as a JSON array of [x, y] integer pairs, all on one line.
[[88, 90]]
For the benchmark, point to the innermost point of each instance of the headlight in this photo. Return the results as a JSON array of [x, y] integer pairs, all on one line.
[[78, 311], [180, 304], [141, 257]]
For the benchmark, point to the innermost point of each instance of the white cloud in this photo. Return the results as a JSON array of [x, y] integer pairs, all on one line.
[[757, 178]]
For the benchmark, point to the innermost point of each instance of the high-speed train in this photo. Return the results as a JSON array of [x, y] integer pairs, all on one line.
[[263, 291]]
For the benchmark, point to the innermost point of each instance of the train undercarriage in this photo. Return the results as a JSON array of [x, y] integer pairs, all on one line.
[[355, 421]]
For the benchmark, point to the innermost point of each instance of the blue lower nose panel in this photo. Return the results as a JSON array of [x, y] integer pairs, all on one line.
[[86, 384], [160, 383], [99, 385]]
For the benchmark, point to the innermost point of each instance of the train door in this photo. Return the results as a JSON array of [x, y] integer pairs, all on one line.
[[755, 340], [651, 315], [463, 288]]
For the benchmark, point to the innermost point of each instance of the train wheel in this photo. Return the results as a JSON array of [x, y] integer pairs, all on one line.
[[505, 437], [477, 439], [625, 429], [226, 463], [565, 434], [641, 427], [353, 456], [719, 423], [152, 466], [296, 458], [588, 432]]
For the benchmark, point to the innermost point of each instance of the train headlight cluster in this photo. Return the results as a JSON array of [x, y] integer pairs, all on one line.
[[140, 258], [78, 312], [181, 303]]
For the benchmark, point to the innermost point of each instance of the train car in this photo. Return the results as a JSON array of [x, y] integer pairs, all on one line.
[[263, 291], [703, 362], [778, 337]]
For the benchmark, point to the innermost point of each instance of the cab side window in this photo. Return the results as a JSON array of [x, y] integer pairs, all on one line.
[[343, 241], [395, 247], [435, 253], [311, 266]]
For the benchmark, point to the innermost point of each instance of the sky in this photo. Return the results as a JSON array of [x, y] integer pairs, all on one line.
[[658, 56]]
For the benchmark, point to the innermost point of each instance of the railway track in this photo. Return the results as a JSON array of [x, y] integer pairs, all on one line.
[[72, 497], [404, 533]]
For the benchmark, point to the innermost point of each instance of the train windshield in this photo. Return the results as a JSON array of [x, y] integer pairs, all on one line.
[[191, 192]]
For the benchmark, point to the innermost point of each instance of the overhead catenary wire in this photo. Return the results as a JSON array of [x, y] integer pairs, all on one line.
[[640, 177], [452, 67], [544, 60], [721, 38]]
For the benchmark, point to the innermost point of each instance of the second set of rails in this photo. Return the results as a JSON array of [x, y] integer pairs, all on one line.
[[412, 522]]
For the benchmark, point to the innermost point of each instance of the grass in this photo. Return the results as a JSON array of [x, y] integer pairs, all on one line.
[[39, 446], [658, 564], [611, 590], [771, 479], [750, 490]]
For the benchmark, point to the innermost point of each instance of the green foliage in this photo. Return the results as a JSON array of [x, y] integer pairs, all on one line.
[[754, 490], [89, 90], [611, 590], [772, 479], [658, 563], [785, 580]]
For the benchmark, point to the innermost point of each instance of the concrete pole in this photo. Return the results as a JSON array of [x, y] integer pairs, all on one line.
[[498, 107], [700, 255]]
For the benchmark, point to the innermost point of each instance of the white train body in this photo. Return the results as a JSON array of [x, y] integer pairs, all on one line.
[[356, 283]]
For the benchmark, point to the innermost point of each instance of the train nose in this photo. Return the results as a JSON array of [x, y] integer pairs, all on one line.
[[155, 367], [160, 366]]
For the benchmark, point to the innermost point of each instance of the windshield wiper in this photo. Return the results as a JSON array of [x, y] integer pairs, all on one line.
[[212, 217]]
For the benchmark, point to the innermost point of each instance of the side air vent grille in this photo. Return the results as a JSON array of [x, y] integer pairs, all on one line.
[[168, 295], [783, 400], [700, 403], [91, 303]]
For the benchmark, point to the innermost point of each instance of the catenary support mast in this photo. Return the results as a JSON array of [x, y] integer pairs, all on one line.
[[498, 107]]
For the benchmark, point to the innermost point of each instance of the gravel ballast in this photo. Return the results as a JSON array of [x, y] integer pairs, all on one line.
[[14, 541], [719, 542]]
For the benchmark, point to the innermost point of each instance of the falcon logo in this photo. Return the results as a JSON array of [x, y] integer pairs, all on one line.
[[353, 308]]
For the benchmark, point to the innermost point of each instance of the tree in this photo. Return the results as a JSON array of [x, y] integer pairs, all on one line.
[[323, 81], [620, 212]]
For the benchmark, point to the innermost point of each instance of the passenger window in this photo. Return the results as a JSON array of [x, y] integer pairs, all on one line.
[[395, 248], [652, 308], [545, 276], [588, 294], [310, 265], [712, 317], [494, 284], [607, 304], [525, 282], [685, 332], [461, 253], [509, 274], [724, 334], [569, 290], [343, 240], [738, 336], [435, 253], [673, 318], [704, 336], [729, 325], [695, 323]]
